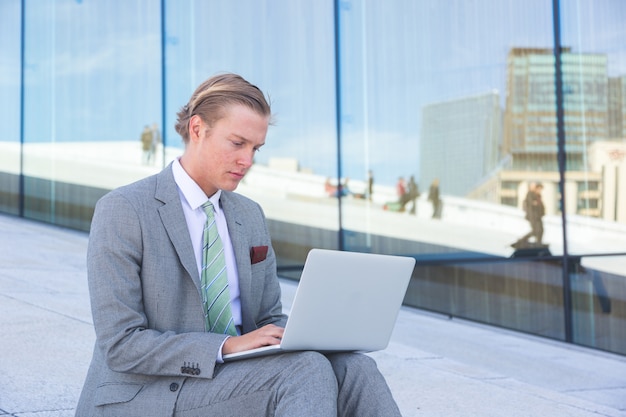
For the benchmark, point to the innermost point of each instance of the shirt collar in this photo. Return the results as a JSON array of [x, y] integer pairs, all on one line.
[[190, 190]]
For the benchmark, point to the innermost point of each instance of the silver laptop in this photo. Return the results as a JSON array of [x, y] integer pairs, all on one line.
[[345, 301]]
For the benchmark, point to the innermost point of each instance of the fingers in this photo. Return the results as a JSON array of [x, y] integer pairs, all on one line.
[[271, 331], [264, 336]]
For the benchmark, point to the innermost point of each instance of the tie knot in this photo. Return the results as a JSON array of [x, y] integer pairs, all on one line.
[[208, 208]]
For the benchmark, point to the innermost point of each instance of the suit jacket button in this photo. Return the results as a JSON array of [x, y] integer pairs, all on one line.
[[173, 387]]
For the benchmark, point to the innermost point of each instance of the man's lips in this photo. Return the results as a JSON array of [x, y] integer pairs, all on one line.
[[239, 175]]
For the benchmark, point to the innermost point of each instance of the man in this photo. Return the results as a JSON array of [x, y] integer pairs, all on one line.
[[401, 193], [433, 196], [370, 184], [156, 141], [146, 145], [535, 210], [413, 195], [147, 266]]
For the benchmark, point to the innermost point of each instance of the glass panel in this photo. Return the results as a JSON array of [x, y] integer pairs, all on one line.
[[437, 93], [594, 86], [286, 48], [10, 90], [599, 302], [92, 82], [521, 295], [462, 96], [462, 101]]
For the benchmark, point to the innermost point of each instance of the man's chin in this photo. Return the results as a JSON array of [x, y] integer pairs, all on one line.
[[231, 186]]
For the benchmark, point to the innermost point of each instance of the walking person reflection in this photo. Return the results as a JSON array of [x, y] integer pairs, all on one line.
[[433, 196], [413, 195], [370, 184], [156, 141], [401, 193], [146, 145], [535, 210]]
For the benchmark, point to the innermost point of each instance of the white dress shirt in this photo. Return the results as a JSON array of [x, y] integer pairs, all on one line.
[[192, 197]]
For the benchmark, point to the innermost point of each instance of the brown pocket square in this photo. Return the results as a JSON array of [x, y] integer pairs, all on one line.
[[258, 254]]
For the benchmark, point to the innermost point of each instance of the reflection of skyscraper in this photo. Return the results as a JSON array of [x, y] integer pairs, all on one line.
[[594, 120], [530, 134], [459, 142], [617, 108]]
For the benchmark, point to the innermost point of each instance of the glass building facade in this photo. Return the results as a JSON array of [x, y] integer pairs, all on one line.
[[474, 103]]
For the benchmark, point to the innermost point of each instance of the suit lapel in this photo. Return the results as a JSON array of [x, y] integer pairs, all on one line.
[[174, 222]]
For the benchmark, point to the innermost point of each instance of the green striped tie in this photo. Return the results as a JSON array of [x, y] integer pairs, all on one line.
[[214, 281]]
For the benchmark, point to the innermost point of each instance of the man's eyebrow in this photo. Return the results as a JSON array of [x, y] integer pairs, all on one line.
[[244, 139]]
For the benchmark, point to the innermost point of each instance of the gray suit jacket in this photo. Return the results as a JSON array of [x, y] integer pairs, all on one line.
[[146, 301]]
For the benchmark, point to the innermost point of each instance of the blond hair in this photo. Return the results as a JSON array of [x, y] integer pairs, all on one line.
[[215, 95]]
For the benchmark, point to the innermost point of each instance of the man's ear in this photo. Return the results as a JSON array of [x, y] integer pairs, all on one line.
[[195, 127]]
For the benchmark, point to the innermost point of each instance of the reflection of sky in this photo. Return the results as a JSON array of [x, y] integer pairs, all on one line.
[[437, 51], [9, 71], [92, 71], [105, 61]]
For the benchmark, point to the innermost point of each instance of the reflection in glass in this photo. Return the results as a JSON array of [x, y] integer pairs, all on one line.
[[594, 67], [286, 48], [10, 84], [599, 302], [92, 82], [426, 133], [441, 102]]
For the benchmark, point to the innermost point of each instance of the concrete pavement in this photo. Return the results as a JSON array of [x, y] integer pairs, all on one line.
[[434, 366]]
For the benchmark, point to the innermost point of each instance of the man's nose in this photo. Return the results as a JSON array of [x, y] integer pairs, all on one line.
[[246, 158]]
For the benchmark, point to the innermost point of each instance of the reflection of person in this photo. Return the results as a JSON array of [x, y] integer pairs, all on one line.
[[433, 196], [535, 210], [329, 188], [146, 145], [370, 184], [153, 356], [344, 189], [156, 140], [413, 195], [341, 190], [401, 193]]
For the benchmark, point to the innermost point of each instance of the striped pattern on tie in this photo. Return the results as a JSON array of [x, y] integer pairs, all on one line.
[[214, 280]]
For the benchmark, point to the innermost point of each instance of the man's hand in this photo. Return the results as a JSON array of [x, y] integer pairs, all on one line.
[[266, 335]]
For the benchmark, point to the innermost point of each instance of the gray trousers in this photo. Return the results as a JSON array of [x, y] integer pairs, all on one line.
[[292, 384]]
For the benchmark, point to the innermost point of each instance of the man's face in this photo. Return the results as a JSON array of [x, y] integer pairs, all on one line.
[[219, 157]]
